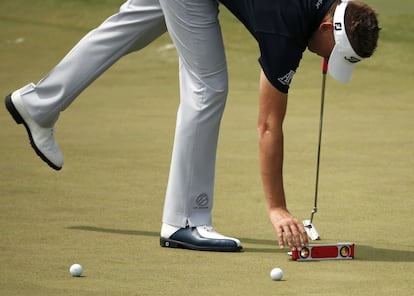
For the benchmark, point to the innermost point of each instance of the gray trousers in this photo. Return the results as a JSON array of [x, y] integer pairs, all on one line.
[[203, 92]]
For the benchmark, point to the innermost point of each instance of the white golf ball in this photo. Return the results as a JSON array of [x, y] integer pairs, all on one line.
[[276, 274], [76, 270]]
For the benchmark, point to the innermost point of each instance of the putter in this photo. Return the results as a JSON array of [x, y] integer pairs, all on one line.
[[308, 224]]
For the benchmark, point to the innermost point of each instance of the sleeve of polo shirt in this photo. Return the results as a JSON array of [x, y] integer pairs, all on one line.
[[279, 59]]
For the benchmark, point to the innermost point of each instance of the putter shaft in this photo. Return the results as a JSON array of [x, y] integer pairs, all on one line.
[[324, 71]]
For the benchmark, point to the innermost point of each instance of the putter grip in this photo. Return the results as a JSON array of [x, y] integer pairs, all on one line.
[[324, 65]]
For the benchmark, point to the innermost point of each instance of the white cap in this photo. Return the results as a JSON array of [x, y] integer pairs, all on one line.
[[343, 57]]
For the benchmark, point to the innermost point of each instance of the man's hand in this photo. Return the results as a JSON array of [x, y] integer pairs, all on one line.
[[289, 230]]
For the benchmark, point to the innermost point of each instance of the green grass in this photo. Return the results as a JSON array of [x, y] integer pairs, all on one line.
[[104, 208]]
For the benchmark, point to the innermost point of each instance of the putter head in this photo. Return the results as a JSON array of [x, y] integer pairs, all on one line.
[[311, 230]]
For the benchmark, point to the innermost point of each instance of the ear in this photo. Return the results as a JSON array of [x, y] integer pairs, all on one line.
[[326, 26]]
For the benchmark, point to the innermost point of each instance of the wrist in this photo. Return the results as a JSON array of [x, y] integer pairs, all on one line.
[[278, 212]]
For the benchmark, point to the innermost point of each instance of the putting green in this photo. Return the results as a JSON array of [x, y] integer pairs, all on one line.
[[103, 210]]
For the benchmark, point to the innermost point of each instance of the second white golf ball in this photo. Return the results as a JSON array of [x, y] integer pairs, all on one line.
[[76, 270], [276, 274]]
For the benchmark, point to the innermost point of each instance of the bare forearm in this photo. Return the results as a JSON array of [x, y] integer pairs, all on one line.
[[271, 163], [272, 109]]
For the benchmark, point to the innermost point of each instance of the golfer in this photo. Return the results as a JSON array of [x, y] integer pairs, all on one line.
[[344, 32]]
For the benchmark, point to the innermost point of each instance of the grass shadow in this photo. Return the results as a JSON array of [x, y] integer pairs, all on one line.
[[115, 231], [369, 253], [362, 252]]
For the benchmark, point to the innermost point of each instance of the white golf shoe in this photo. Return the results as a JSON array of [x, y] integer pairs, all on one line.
[[41, 138]]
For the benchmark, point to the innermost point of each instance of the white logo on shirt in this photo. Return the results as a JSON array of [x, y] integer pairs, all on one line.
[[285, 80], [318, 4]]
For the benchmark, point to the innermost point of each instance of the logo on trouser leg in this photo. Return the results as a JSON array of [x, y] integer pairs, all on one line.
[[201, 201]]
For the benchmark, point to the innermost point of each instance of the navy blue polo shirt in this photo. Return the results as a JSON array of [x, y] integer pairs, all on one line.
[[282, 29]]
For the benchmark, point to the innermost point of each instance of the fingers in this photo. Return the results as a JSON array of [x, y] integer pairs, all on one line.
[[304, 235], [280, 238], [292, 234]]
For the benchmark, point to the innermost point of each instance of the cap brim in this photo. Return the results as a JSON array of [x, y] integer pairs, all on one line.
[[338, 67]]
